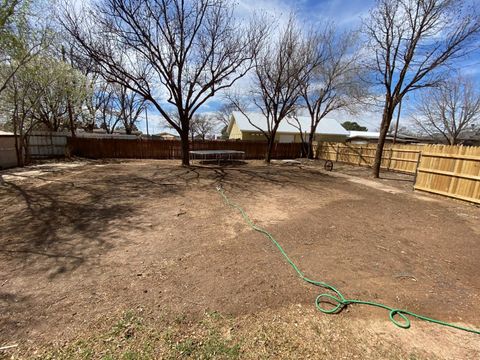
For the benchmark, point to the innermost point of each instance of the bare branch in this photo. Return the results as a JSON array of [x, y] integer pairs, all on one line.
[[175, 54], [412, 41], [449, 111]]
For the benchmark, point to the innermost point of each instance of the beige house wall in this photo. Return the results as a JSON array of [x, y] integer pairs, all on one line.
[[237, 134]]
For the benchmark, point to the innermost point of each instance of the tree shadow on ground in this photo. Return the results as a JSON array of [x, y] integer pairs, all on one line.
[[238, 176], [54, 231], [252, 180], [59, 225]]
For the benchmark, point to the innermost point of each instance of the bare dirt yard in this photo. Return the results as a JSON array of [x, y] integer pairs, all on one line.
[[143, 259]]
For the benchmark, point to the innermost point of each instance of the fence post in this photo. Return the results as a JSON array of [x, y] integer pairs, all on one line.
[[390, 159], [416, 169], [360, 156]]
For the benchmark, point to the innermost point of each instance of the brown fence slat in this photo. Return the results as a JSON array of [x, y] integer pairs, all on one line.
[[99, 148]]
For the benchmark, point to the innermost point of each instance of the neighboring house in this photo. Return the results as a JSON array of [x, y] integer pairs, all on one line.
[[371, 137], [243, 128], [8, 155], [470, 137], [102, 134], [166, 136]]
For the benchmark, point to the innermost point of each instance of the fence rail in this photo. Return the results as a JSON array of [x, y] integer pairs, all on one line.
[[171, 149], [452, 171], [401, 158]]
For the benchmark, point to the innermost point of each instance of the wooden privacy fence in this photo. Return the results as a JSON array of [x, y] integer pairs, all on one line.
[[46, 144], [452, 171], [171, 149], [8, 154], [446, 170], [402, 158]]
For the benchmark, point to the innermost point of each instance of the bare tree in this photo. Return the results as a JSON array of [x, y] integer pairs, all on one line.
[[447, 111], [116, 106], [98, 106], [334, 83], [203, 125], [176, 54], [280, 69], [224, 113], [294, 120], [130, 107], [410, 40], [223, 117], [106, 114]]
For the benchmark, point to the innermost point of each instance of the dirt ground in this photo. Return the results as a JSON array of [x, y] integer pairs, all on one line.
[[84, 242]]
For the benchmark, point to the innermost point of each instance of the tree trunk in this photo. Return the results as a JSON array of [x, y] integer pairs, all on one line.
[[310, 144], [26, 151], [19, 151], [70, 117], [268, 155], [185, 148], [452, 140], [386, 120], [18, 142]]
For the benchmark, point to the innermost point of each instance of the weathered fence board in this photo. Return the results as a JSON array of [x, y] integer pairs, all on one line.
[[8, 155], [402, 158], [171, 149], [45, 144], [452, 171]]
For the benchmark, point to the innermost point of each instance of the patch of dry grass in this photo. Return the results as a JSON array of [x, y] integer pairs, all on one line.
[[293, 332]]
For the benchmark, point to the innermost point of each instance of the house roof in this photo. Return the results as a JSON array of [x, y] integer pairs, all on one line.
[[327, 126], [375, 135], [165, 134], [6, 133], [364, 134]]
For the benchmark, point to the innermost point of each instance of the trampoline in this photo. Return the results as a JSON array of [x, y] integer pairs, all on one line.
[[217, 155]]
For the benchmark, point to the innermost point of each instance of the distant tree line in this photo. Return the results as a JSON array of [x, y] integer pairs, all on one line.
[[45, 86]]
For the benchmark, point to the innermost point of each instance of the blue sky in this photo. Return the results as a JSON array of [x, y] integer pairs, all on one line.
[[346, 15]]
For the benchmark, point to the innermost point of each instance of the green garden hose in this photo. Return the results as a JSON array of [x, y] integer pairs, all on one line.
[[337, 297]]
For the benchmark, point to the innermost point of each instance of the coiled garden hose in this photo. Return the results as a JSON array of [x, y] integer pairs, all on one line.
[[337, 297]]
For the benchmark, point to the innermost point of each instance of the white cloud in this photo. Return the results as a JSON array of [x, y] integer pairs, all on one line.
[[345, 14]]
